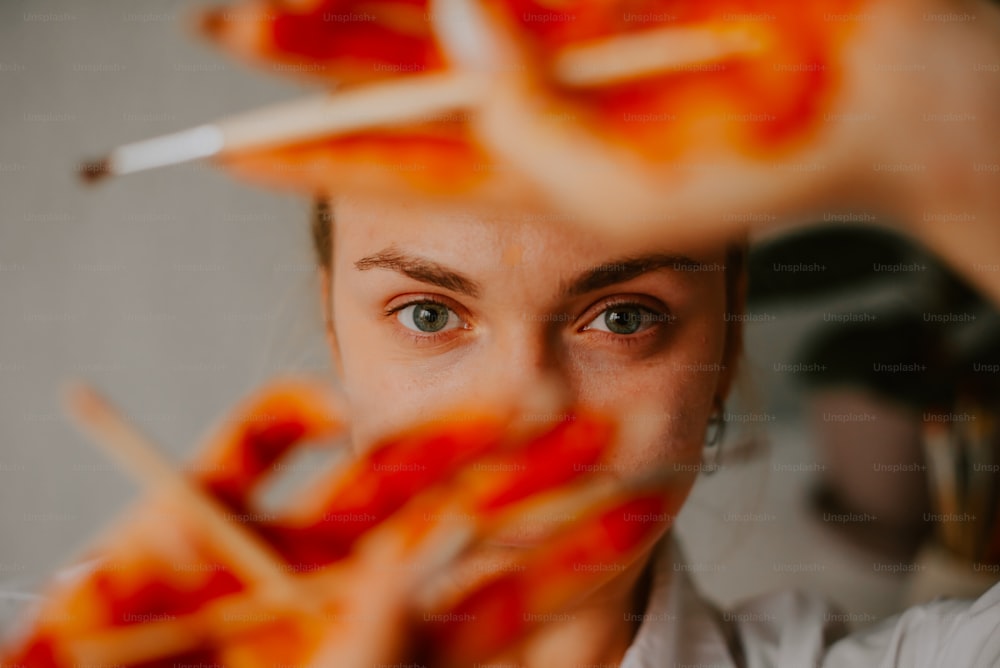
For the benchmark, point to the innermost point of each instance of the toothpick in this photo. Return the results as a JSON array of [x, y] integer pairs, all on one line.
[[120, 440], [221, 619], [372, 106], [422, 97], [650, 53]]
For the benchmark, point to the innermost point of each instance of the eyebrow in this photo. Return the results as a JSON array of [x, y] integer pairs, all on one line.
[[593, 278], [420, 269], [625, 269]]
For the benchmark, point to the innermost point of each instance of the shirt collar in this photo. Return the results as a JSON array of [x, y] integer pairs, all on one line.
[[679, 627]]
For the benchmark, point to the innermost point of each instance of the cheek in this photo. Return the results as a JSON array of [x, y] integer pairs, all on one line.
[[663, 403], [365, 378], [386, 394], [664, 423]]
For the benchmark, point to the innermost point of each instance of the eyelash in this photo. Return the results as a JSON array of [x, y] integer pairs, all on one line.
[[430, 338], [627, 340]]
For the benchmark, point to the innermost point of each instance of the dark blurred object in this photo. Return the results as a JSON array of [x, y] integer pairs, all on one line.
[[877, 376], [847, 257]]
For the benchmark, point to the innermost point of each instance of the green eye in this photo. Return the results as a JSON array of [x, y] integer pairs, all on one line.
[[428, 317], [625, 319]]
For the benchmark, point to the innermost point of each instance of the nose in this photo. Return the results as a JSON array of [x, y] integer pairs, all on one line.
[[526, 369]]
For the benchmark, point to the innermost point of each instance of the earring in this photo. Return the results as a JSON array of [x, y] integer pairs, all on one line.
[[713, 438]]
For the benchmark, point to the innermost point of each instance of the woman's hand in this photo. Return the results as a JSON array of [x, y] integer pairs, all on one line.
[[365, 565]]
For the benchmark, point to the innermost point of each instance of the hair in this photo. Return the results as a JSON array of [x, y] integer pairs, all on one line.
[[736, 261], [322, 232]]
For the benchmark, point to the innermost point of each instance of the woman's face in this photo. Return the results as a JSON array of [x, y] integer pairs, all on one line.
[[433, 307]]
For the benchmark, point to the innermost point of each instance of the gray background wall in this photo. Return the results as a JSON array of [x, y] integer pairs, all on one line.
[[176, 291]]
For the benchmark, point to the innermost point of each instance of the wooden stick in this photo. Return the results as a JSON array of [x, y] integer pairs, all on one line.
[[141, 643], [221, 619], [256, 561], [373, 106], [423, 97], [652, 52]]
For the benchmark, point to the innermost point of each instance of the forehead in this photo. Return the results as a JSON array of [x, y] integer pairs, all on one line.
[[452, 230], [472, 236]]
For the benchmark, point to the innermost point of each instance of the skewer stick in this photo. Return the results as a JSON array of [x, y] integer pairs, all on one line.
[[141, 643], [107, 428], [234, 615], [652, 52], [422, 98], [377, 105]]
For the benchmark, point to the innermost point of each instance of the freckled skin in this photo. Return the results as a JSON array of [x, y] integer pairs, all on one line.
[[521, 330]]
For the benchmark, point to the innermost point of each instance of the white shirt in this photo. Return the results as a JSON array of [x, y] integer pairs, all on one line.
[[791, 629]]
